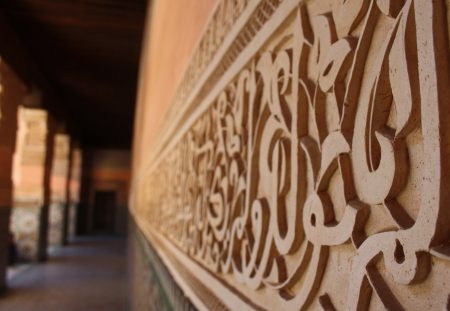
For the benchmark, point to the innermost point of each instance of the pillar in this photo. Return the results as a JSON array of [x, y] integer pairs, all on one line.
[[31, 175], [48, 164], [60, 176], [74, 190], [12, 91]]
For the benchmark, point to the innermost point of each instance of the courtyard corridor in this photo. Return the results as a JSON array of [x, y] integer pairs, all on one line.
[[87, 275]]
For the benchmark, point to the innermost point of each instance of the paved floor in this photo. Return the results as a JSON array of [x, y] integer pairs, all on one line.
[[87, 275]]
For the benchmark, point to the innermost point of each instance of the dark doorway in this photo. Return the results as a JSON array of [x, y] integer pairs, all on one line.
[[104, 212]]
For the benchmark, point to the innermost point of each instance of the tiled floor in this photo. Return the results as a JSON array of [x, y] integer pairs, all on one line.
[[88, 275]]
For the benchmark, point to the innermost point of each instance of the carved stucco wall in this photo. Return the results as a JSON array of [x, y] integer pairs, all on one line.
[[304, 160]]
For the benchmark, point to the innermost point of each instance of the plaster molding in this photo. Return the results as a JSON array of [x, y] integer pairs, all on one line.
[[306, 167]]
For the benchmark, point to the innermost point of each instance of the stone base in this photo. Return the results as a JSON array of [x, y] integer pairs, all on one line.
[[56, 225], [26, 223], [151, 285]]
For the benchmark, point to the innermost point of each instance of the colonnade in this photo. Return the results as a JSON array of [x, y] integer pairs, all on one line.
[[40, 174]]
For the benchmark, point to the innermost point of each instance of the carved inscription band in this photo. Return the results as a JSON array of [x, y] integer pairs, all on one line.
[[318, 176]]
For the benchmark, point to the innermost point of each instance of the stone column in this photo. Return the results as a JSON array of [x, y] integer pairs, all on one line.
[[48, 164], [74, 190], [59, 190], [30, 176], [83, 217], [12, 92]]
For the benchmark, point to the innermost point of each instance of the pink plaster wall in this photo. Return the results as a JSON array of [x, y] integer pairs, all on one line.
[[173, 29]]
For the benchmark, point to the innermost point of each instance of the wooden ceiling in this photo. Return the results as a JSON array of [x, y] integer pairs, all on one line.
[[87, 52]]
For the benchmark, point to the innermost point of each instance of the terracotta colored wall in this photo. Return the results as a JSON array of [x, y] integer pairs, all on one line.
[[173, 29]]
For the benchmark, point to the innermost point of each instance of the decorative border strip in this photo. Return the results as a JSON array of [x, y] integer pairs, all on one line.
[[172, 294], [185, 272], [220, 70]]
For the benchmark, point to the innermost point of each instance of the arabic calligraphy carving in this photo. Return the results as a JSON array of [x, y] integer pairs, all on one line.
[[335, 122]]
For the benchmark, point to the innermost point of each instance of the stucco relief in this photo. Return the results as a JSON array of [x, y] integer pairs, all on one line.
[[317, 176]]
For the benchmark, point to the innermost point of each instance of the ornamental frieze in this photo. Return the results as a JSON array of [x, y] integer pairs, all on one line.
[[313, 171]]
